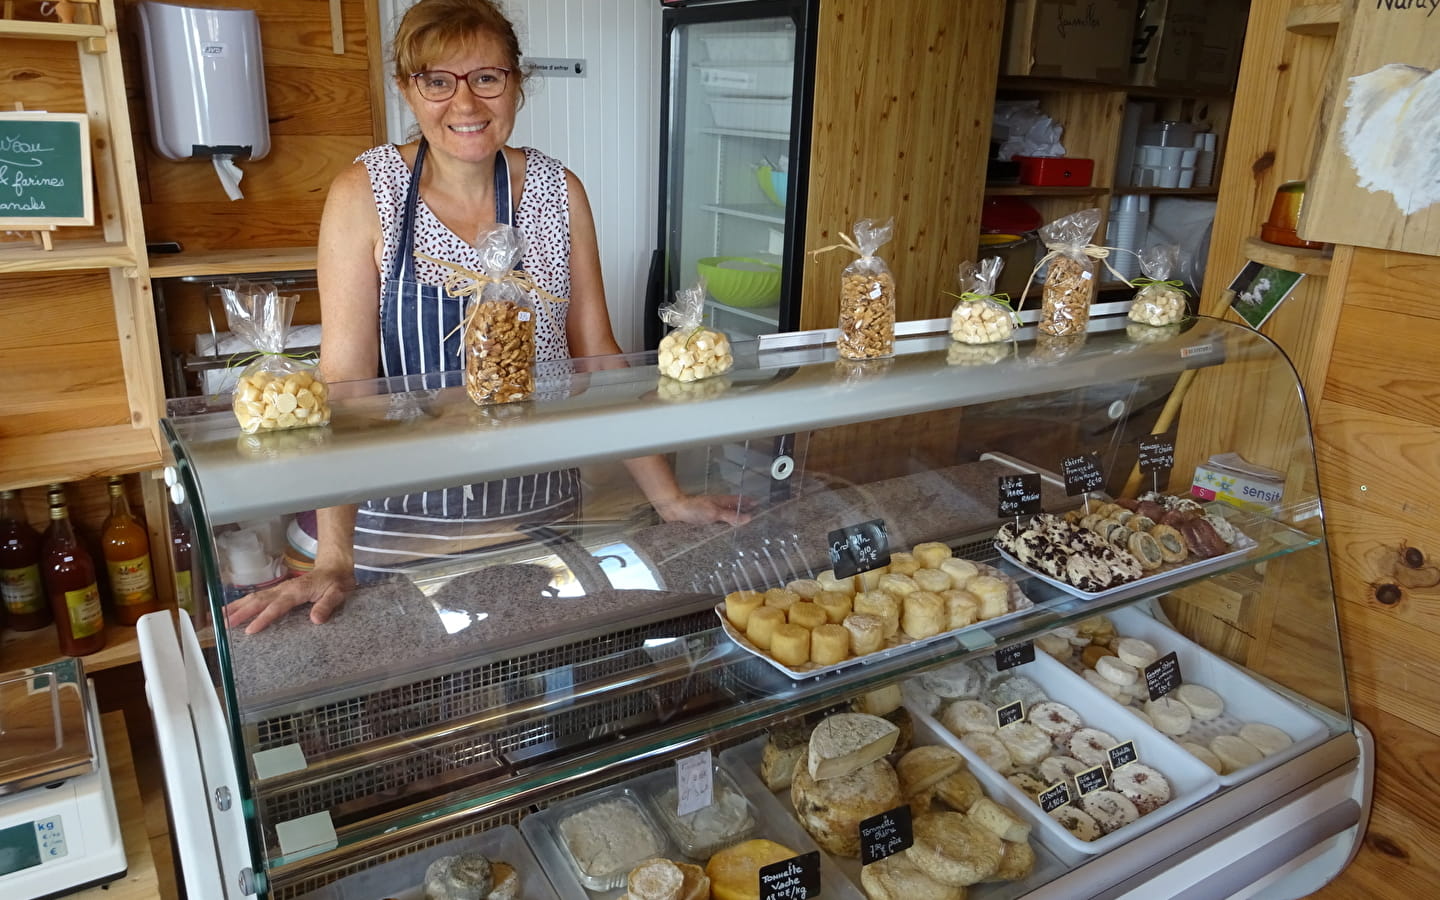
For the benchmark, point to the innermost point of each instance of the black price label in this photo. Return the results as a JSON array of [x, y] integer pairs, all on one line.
[[1163, 676], [885, 835], [1122, 754], [796, 878], [1082, 474], [1019, 495], [1157, 453], [1015, 655], [859, 548], [1010, 713], [1091, 780], [1054, 797]]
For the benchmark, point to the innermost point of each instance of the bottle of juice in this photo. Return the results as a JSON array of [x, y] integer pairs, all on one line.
[[126, 546], [180, 548], [20, 585], [69, 576]]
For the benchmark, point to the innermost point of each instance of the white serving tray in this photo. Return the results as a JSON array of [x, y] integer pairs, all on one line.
[[1246, 698], [1190, 780], [1019, 603], [404, 878], [1166, 575]]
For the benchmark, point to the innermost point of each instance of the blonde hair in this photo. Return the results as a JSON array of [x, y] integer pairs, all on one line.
[[433, 29]]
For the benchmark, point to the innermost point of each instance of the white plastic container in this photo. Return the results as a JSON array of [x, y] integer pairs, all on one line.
[[404, 878], [758, 46], [1246, 698], [747, 114], [773, 80], [1190, 780]]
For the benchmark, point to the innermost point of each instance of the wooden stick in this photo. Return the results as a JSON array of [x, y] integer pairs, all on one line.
[[337, 29], [1162, 424]]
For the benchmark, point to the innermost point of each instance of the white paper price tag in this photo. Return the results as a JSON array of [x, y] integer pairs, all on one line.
[[694, 783]]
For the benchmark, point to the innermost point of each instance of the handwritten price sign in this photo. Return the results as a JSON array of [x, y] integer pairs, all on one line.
[[45, 170], [859, 548]]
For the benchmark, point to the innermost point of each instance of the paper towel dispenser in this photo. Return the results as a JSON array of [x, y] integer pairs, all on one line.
[[205, 82]]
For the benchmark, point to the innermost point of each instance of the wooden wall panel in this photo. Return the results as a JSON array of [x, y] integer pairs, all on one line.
[[902, 98]]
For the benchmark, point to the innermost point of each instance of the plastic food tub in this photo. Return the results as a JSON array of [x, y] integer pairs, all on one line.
[[552, 820], [750, 114], [404, 878], [741, 280], [756, 46]]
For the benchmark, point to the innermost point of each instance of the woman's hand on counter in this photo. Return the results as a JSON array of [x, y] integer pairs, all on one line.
[[324, 589], [701, 509]]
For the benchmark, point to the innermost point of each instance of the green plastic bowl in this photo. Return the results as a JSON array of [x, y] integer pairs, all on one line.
[[741, 280]]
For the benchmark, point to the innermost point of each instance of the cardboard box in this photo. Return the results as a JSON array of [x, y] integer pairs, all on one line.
[[1088, 40], [1188, 43], [1238, 488]]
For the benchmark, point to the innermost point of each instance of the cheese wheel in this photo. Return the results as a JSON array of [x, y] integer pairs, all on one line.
[[735, 871], [829, 644], [962, 608], [932, 580], [655, 879], [897, 878], [902, 563], [740, 604], [762, 625], [806, 614], [846, 742], [836, 604], [832, 809], [921, 769], [951, 849], [993, 594], [867, 633], [790, 645], [959, 570], [931, 554], [807, 588], [897, 584], [924, 615], [780, 598], [882, 605], [828, 582], [879, 702]]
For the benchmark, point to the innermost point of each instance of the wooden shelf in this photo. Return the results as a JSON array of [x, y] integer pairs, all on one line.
[[1212, 191], [1318, 20], [68, 256], [231, 262], [23, 649], [1291, 259], [1063, 85], [49, 31], [1032, 190], [64, 456]]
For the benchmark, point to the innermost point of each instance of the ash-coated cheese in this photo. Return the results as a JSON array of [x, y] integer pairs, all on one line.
[[845, 742]]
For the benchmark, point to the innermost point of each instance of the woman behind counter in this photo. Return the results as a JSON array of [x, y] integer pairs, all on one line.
[[457, 62]]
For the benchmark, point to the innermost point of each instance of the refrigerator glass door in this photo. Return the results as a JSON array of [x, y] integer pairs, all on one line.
[[730, 151]]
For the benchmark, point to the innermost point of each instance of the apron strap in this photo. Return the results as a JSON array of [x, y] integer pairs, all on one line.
[[402, 268]]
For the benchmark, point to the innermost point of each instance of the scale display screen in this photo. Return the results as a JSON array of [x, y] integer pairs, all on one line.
[[27, 845]]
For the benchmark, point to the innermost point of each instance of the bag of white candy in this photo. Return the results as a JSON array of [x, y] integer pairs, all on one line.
[[277, 390], [691, 351], [1159, 301], [982, 316]]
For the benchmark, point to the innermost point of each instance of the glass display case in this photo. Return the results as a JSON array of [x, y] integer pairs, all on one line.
[[493, 666]]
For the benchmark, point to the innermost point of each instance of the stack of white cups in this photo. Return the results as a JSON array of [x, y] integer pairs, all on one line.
[[1204, 158], [1128, 228]]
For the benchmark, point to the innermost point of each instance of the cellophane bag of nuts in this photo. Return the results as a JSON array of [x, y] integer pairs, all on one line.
[[980, 317], [499, 326], [1070, 281], [1159, 301], [275, 391], [691, 351], [867, 297]]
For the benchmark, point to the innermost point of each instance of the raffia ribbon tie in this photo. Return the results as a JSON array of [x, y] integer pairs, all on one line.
[[1094, 251], [463, 282], [1143, 282], [1001, 298], [237, 360], [846, 243]]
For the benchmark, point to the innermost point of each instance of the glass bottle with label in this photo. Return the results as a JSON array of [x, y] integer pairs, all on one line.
[[20, 584], [180, 548], [69, 576], [126, 546]]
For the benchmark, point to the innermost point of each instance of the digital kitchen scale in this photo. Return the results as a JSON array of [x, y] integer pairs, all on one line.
[[58, 829]]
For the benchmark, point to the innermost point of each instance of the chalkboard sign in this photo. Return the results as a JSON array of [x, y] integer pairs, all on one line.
[[1014, 655], [1019, 495], [1122, 754], [1162, 676], [885, 835], [796, 878], [1010, 713], [859, 548], [1157, 453], [1091, 780], [45, 170], [1054, 797], [1082, 474]]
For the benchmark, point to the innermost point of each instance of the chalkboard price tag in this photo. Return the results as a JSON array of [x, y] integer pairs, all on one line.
[[1019, 495], [1082, 474], [1010, 713], [694, 783], [1091, 780], [1015, 655], [1163, 676], [45, 170], [796, 878], [1054, 797], [1122, 754], [1157, 453], [859, 548], [885, 835]]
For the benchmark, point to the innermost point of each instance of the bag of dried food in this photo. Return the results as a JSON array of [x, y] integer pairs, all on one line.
[[1159, 301], [276, 390], [867, 296], [981, 316], [498, 336], [691, 351], [1070, 281]]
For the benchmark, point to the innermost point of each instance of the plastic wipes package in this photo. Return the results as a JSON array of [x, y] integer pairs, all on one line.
[[499, 327], [1159, 301], [1070, 281], [275, 391], [691, 351], [867, 296], [982, 316]]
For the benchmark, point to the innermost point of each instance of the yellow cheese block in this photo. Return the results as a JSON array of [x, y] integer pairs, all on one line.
[[735, 872]]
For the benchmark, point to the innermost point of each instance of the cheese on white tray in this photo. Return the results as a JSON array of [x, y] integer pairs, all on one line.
[[845, 742]]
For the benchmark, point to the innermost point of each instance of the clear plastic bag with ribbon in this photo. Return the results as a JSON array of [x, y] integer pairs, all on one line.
[[867, 296], [1070, 281], [498, 337], [1160, 300], [691, 352], [277, 390], [981, 316]]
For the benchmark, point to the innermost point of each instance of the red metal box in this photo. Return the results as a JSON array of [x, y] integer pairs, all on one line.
[[1056, 171]]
